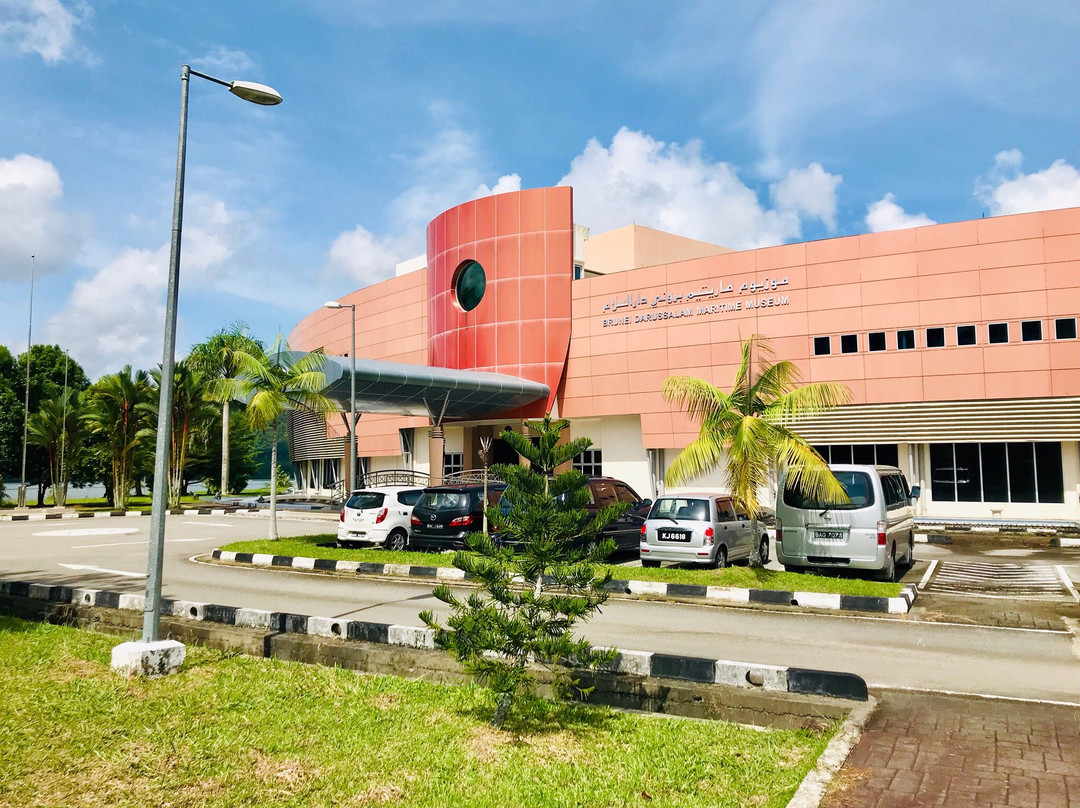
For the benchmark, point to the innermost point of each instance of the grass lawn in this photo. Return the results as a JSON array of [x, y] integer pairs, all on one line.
[[322, 546], [230, 730]]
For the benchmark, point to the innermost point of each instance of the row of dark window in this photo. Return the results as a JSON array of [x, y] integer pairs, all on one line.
[[996, 333], [996, 472], [865, 454]]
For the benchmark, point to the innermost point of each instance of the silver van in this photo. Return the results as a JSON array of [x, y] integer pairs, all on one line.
[[876, 531]]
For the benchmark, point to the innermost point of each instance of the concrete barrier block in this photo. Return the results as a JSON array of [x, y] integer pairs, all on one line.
[[147, 658], [646, 588], [639, 663], [254, 618], [727, 594], [102, 515], [39, 591], [450, 574], [132, 603], [226, 555], [396, 569], [817, 600], [188, 609], [263, 559], [347, 566], [742, 674], [303, 563], [411, 636], [326, 627], [84, 597]]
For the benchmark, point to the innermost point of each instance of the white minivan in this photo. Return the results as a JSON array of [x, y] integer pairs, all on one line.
[[875, 531]]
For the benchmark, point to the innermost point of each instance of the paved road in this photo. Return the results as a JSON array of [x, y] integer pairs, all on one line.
[[1039, 664]]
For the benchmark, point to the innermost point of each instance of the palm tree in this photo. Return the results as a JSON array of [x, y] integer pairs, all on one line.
[[191, 410], [57, 427], [220, 358], [117, 412], [277, 382], [746, 430]]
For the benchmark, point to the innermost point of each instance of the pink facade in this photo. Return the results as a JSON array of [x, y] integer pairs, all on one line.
[[605, 344]]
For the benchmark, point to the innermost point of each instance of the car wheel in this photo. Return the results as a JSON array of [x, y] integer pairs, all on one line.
[[889, 571], [765, 549], [721, 558], [649, 562], [397, 541]]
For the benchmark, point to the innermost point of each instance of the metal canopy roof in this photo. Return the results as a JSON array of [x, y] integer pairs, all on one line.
[[401, 389]]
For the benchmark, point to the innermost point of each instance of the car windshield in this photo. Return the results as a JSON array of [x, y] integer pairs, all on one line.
[[691, 508], [857, 484], [365, 500], [443, 500]]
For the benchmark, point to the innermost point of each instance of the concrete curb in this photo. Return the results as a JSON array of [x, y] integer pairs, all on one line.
[[813, 786], [833, 684], [640, 589], [41, 517]]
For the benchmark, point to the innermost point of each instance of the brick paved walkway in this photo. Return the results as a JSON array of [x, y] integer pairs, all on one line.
[[933, 750]]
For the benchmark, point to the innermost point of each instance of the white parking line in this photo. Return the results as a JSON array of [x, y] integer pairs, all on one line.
[[1067, 582], [121, 573], [208, 524], [928, 574]]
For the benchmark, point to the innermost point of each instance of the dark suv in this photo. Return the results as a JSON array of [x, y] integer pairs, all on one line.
[[626, 530], [445, 514]]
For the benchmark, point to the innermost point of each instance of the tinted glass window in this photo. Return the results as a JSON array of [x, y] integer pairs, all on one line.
[[888, 454], [822, 346], [942, 472], [968, 473], [857, 484], [998, 332], [863, 454], [895, 495], [995, 473], [905, 340], [840, 454], [965, 335], [443, 501], [1048, 472], [1022, 472], [626, 494], [604, 491], [365, 500], [680, 508], [935, 338], [876, 340], [1065, 328], [1031, 330], [469, 284], [849, 343], [409, 497]]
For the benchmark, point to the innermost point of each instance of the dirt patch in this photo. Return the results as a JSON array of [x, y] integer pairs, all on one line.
[[560, 747], [380, 794], [843, 782], [385, 701], [291, 774], [71, 669], [485, 743]]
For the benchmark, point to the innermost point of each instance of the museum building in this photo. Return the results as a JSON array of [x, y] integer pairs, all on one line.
[[958, 343]]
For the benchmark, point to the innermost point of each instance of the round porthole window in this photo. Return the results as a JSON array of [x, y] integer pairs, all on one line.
[[469, 285]]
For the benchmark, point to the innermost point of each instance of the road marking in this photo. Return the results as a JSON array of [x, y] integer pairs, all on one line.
[[1067, 582], [928, 575], [90, 531], [209, 524], [141, 541], [121, 573], [996, 580]]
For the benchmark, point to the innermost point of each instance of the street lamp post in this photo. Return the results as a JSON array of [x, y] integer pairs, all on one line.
[[135, 660], [26, 397], [333, 304]]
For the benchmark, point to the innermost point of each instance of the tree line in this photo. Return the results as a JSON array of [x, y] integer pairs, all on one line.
[[229, 394]]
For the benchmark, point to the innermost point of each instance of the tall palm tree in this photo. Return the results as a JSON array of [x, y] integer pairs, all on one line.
[[191, 411], [220, 358], [117, 412], [277, 382], [57, 427], [746, 431]]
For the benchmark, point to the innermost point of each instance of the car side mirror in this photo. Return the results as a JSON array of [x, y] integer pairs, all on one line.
[[645, 503], [914, 492]]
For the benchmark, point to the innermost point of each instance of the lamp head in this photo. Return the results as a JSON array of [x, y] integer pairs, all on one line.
[[255, 93], [332, 304]]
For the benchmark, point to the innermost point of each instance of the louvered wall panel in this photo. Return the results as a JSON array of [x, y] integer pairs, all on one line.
[[1042, 419], [307, 437]]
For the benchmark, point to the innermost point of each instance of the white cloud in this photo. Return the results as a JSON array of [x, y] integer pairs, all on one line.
[[811, 191], [116, 317], [676, 188], [366, 258], [31, 221], [506, 184], [44, 27], [885, 214], [1006, 189], [223, 60]]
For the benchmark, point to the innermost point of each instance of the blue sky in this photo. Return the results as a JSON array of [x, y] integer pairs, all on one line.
[[740, 123]]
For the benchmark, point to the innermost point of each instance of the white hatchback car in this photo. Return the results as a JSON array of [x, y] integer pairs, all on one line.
[[378, 516], [699, 528]]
